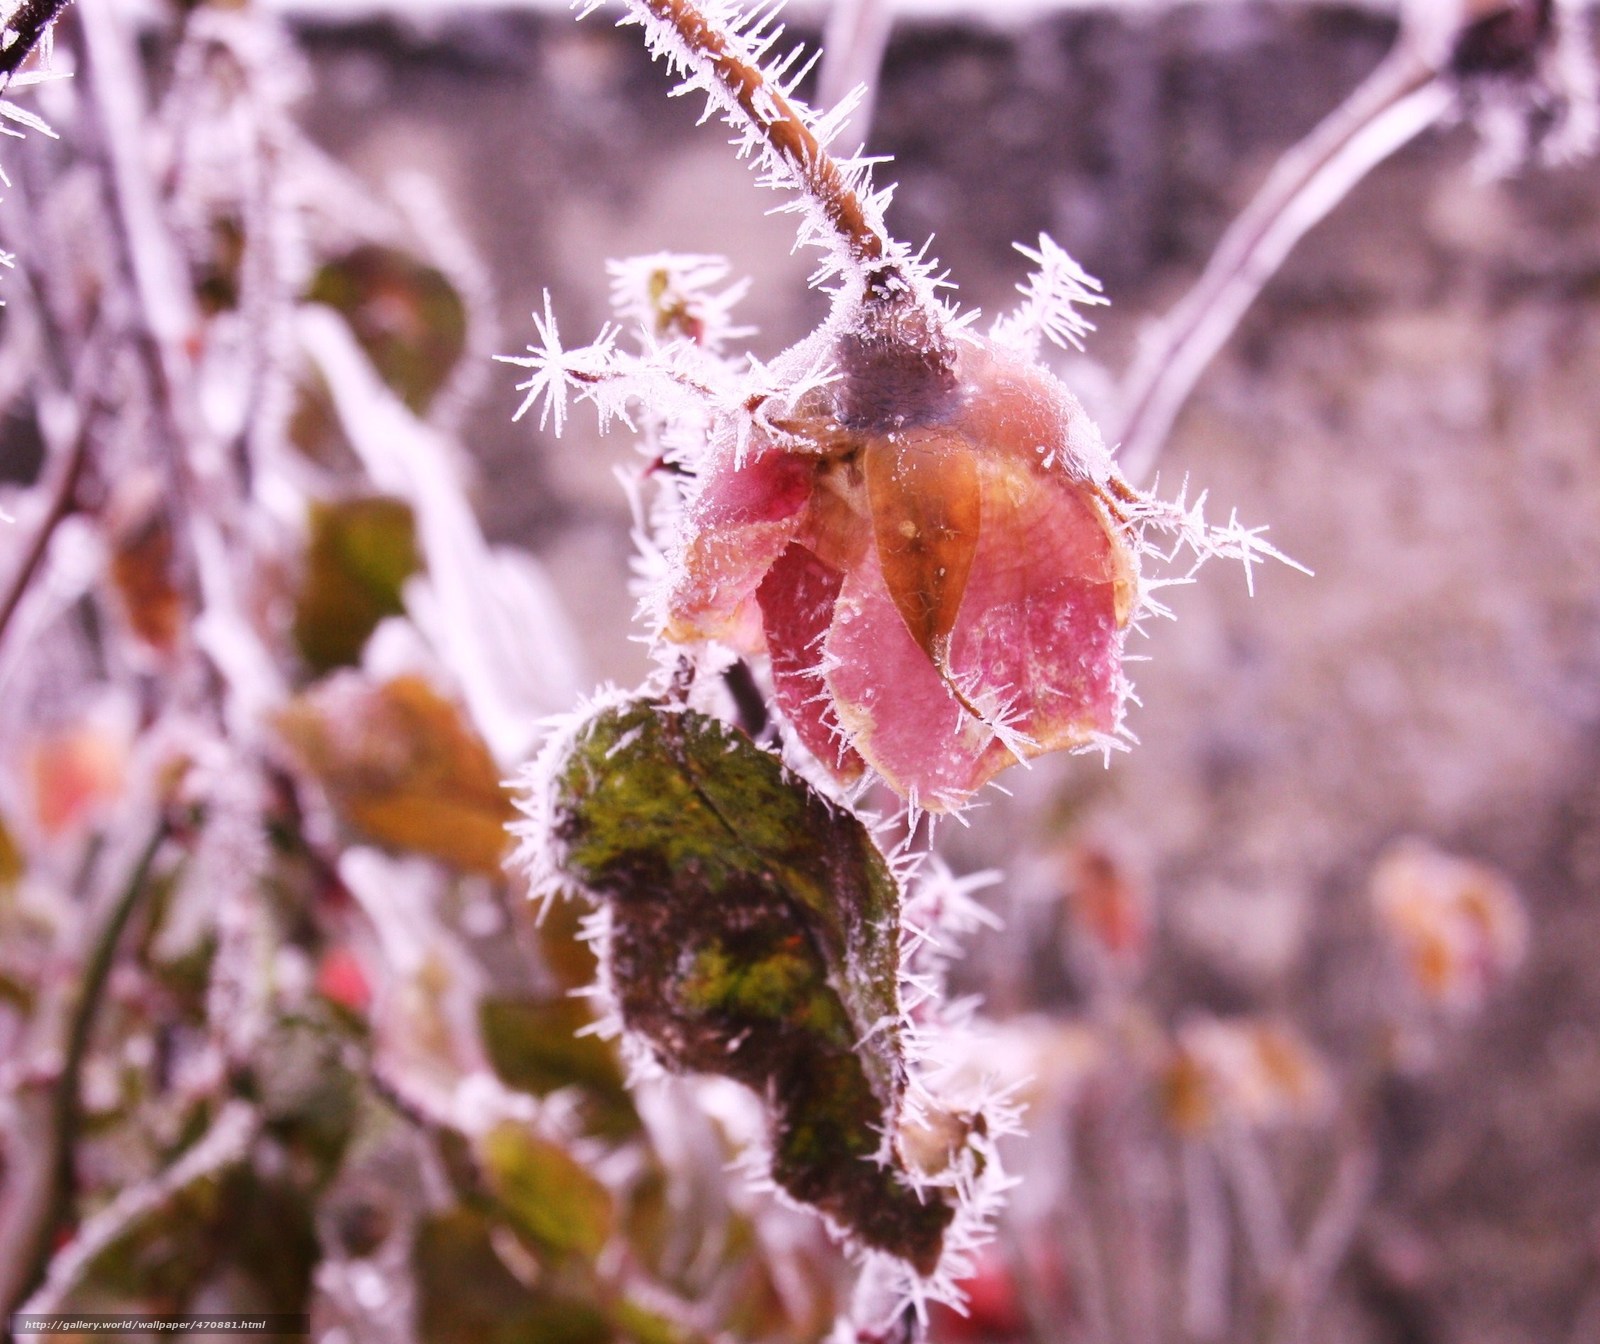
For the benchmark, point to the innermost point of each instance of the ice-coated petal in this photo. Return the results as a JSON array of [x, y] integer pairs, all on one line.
[[1036, 645], [1038, 641], [739, 524], [901, 716], [924, 490], [797, 604]]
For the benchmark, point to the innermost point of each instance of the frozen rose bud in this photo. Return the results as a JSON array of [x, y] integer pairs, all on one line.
[[924, 547], [1458, 926], [1252, 1072]]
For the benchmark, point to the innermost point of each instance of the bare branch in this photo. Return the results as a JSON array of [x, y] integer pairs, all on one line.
[[1396, 103], [226, 1142]]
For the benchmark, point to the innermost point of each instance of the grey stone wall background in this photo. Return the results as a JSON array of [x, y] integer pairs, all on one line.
[[1415, 409]]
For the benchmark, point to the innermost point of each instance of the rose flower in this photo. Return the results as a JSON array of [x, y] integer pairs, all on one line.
[[928, 547]]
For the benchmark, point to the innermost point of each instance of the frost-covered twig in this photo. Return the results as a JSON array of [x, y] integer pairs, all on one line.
[[1396, 103], [163, 298], [30, 1232], [853, 46], [763, 102], [224, 1143], [61, 505], [26, 27]]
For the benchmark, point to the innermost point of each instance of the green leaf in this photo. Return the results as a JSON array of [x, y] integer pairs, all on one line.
[[405, 315], [361, 552], [466, 1295], [754, 934], [534, 1045], [549, 1196]]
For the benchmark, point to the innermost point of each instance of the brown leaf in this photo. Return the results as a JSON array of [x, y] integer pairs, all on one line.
[[142, 562], [403, 767]]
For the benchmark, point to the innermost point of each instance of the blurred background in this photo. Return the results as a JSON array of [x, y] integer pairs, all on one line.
[[1361, 829]]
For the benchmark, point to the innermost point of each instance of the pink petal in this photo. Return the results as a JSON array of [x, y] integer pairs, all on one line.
[[1037, 643], [900, 715], [797, 601], [738, 525], [1040, 627]]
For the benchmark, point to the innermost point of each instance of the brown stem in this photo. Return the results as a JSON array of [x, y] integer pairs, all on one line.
[[776, 120], [62, 503], [1306, 183], [30, 23]]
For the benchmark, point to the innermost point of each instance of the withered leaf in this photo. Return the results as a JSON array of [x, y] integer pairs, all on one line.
[[142, 562], [754, 934], [402, 766]]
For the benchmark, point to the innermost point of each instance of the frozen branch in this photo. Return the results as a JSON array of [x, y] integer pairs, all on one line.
[[1397, 102], [853, 47], [63, 501], [226, 1142]]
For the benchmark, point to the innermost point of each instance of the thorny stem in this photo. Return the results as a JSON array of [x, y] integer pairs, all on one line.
[[775, 118], [1396, 103], [30, 22]]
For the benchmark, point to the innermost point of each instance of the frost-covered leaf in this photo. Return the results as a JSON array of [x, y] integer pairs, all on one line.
[[361, 552], [753, 933], [550, 1197], [406, 316], [403, 767]]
